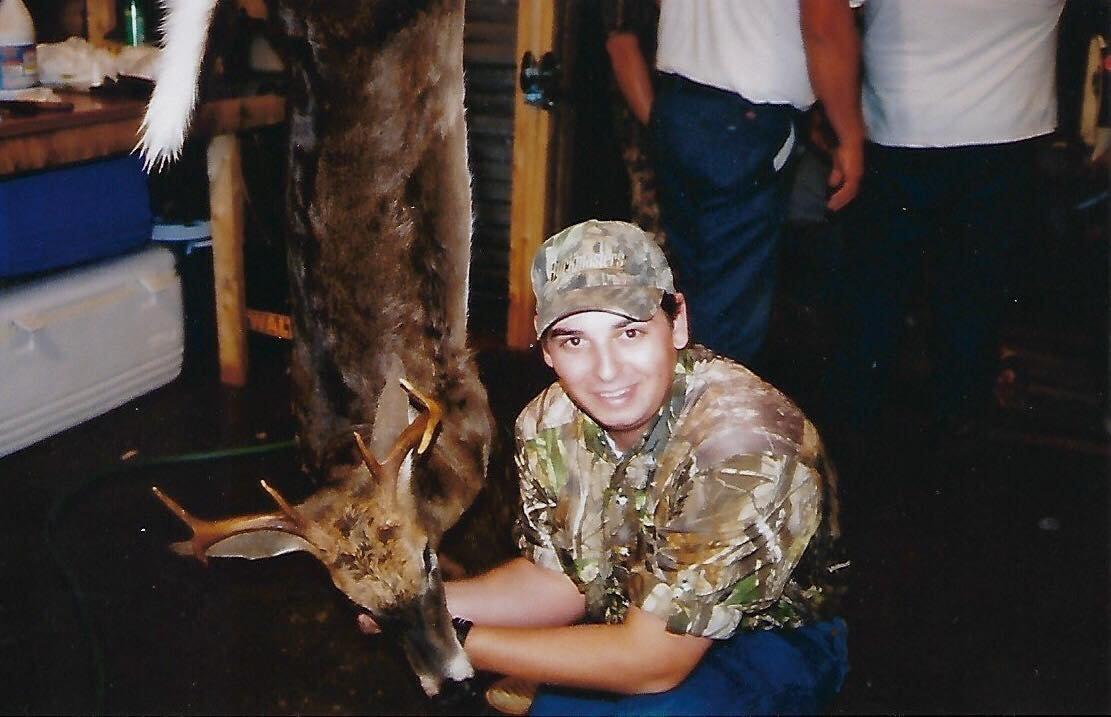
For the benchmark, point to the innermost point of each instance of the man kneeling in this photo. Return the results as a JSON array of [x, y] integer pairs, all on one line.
[[678, 512]]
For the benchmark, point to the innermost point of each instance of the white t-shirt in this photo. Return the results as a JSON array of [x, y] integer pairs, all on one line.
[[751, 47], [945, 73]]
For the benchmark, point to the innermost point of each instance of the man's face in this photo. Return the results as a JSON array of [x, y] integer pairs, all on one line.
[[617, 370]]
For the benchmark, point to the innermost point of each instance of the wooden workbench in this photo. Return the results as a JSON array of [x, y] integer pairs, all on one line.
[[100, 127]]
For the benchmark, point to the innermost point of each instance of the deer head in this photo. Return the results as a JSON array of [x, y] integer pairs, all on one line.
[[368, 535]]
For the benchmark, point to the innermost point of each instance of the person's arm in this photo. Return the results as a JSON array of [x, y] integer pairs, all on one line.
[[833, 57], [516, 594], [635, 657], [631, 71], [523, 615]]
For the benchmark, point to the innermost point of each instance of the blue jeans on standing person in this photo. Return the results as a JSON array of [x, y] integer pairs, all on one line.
[[719, 160], [959, 213], [787, 671]]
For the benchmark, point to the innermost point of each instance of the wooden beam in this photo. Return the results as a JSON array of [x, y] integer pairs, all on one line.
[[100, 127], [100, 19], [530, 207], [26, 153], [226, 199]]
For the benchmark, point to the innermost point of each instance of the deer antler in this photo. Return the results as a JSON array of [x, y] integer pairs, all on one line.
[[372, 463], [207, 533], [433, 414], [289, 511], [418, 433]]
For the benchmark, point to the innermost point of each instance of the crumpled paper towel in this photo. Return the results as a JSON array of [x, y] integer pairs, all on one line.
[[76, 64]]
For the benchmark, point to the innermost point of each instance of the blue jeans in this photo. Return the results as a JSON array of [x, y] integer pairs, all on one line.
[[960, 212], [722, 203], [760, 672]]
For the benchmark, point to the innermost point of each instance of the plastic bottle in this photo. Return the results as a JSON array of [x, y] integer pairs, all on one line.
[[18, 68], [134, 23]]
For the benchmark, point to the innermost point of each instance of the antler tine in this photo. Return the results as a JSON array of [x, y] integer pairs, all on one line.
[[174, 507], [419, 433], [372, 463], [195, 525], [290, 512], [433, 414], [207, 533]]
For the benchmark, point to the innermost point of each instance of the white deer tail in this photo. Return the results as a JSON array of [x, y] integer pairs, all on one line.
[[185, 30]]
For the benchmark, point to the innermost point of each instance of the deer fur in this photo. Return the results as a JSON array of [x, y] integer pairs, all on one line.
[[378, 221]]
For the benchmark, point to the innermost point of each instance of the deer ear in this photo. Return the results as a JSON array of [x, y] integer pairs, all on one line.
[[405, 481], [391, 414]]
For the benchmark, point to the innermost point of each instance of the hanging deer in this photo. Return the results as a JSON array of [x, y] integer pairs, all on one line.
[[378, 232]]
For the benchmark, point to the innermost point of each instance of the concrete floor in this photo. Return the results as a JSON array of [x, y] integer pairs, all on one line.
[[980, 563]]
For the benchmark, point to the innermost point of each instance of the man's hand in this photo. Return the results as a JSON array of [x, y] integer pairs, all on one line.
[[844, 178], [1101, 151], [846, 157], [833, 59]]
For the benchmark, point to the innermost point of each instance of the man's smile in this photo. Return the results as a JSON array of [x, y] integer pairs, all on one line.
[[616, 395]]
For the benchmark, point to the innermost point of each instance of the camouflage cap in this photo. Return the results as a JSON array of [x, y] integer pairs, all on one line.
[[599, 266]]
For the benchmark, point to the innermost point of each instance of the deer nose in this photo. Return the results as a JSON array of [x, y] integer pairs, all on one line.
[[367, 624]]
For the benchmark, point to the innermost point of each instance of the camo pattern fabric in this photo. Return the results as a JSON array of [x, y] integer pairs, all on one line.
[[703, 523], [599, 266], [640, 18]]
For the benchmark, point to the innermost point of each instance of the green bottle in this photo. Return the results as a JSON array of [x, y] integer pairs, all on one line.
[[134, 23]]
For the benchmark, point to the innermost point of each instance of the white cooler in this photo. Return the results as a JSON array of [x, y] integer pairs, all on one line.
[[81, 342]]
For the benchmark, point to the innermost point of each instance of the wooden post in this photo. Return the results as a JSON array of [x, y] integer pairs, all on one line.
[[530, 207], [226, 199], [100, 19]]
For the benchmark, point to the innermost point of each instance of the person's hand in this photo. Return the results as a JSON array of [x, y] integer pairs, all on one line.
[[367, 625], [844, 178], [1101, 152]]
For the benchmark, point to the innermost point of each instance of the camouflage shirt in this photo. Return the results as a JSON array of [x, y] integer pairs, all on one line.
[[703, 523]]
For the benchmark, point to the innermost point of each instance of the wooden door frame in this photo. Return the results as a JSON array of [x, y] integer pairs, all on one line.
[[541, 146]]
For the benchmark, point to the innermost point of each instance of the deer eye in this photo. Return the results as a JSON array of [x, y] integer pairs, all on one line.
[[429, 562]]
